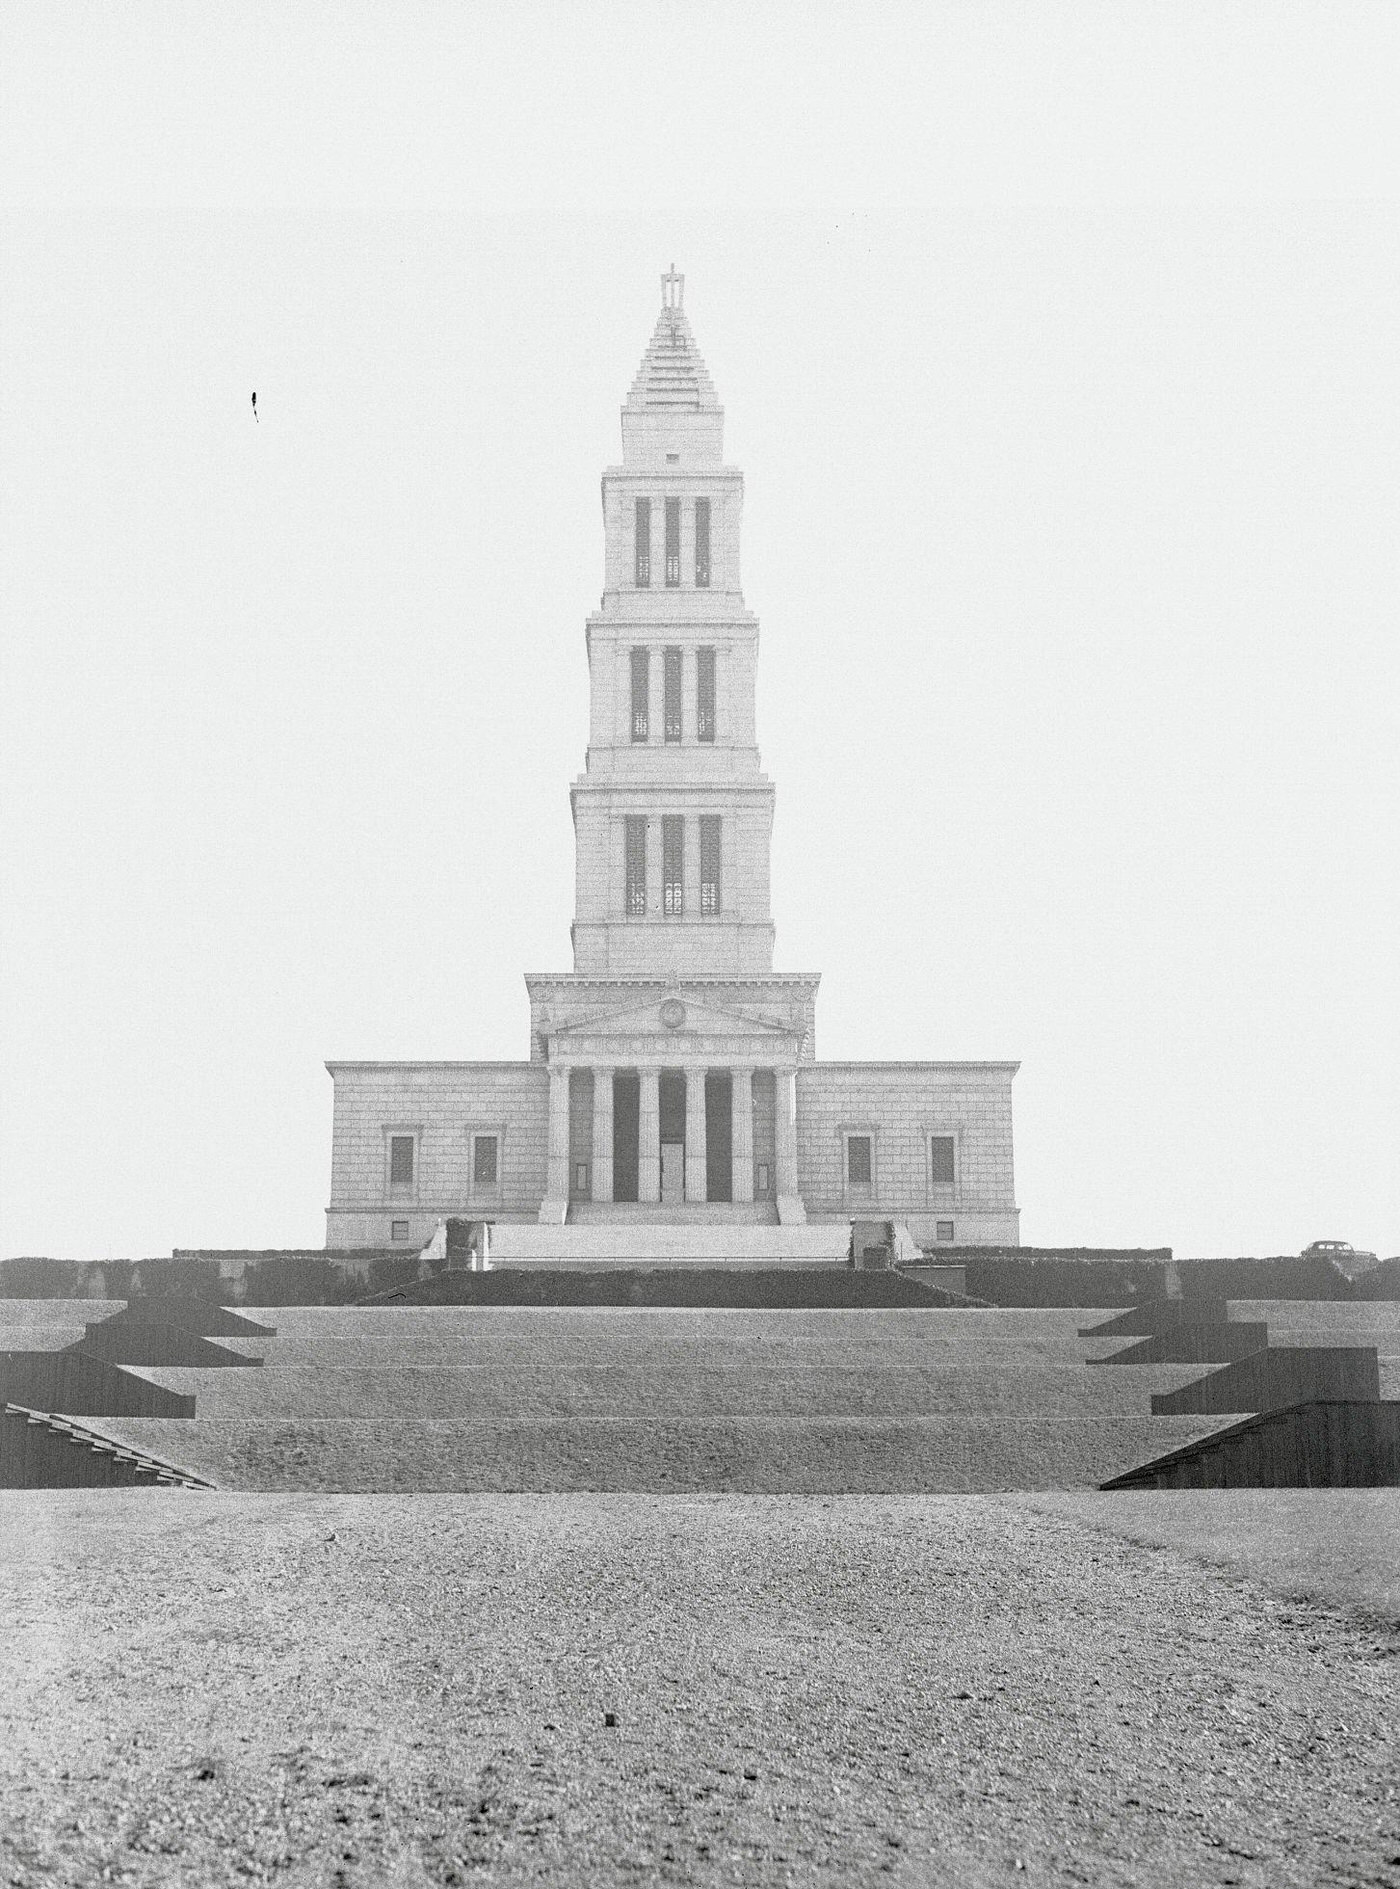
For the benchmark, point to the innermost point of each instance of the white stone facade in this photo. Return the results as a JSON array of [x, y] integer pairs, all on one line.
[[673, 1072]]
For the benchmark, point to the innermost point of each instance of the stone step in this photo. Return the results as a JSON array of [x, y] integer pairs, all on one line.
[[706, 1244]]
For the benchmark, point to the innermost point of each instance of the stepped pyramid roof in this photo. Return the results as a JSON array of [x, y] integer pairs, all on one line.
[[672, 377]]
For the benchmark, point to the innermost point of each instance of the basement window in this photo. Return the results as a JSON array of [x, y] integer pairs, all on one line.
[[943, 1230], [398, 1229]]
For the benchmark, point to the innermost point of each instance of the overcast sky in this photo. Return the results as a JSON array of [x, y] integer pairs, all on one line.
[[1058, 348]]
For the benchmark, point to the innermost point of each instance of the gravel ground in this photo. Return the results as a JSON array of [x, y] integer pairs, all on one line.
[[1341, 1546], [362, 1690]]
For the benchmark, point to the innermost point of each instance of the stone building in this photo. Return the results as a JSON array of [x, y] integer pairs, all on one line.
[[672, 1080]]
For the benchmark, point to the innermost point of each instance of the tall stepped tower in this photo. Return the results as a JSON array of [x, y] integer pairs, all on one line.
[[673, 819], [673, 815]]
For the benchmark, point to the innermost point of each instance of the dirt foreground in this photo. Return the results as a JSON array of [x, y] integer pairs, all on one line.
[[356, 1690]]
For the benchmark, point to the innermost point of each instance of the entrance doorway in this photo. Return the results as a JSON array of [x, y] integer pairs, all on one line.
[[626, 1118], [671, 1109], [719, 1138], [672, 1172]]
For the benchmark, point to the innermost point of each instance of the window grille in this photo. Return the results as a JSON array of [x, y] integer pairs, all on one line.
[[398, 1229], [673, 864], [642, 568], [673, 543], [485, 1163], [636, 866], [401, 1160], [704, 695], [940, 1163], [673, 694], [858, 1160], [709, 863], [641, 695], [702, 544]]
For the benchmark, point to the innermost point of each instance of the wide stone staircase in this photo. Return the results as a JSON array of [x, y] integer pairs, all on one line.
[[496, 1398]]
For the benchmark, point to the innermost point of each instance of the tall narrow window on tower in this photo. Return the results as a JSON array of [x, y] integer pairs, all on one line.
[[673, 695], [704, 695], [673, 543], [642, 568], [636, 865], [702, 544], [709, 863], [641, 691], [673, 864]]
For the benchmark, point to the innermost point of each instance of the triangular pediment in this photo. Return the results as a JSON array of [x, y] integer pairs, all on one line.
[[674, 1016]]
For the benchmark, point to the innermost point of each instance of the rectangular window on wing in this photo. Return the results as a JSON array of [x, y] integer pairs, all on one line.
[[642, 566], [858, 1160], [673, 694], [704, 695], [636, 865], [485, 1160], [673, 543], [400, 1160], [673, 864], [940, 1160], [709, 863], [702, 544], [641, 694]]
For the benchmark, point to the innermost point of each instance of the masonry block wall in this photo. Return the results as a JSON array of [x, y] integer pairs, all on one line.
[[444, 1107], [901, 1107]]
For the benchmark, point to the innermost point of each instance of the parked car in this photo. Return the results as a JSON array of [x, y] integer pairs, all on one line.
[[1343, 1256]]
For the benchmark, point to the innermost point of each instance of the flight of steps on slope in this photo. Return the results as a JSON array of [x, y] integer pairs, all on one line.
[[41, 1450], [481, 1399], [1319, 1420]]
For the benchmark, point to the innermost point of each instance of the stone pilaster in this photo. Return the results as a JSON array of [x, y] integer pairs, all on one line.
[[790, 1208], [554, 1209]]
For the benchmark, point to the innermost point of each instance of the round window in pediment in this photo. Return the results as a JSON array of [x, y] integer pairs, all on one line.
[[673, 1013]]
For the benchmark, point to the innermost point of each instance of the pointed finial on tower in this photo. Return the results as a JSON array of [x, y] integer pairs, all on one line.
[[673, 289]]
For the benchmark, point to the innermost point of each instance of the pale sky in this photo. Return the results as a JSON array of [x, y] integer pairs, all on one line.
[[1058, 348]]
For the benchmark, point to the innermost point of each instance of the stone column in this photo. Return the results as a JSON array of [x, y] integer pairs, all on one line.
[[602, 1134], [741, 1134], [555, 1208], [790, 1207], [649, 1136], [696, 1181]]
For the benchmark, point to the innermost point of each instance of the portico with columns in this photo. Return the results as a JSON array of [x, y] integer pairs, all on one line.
[[672, 1097], [672, 1079]]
